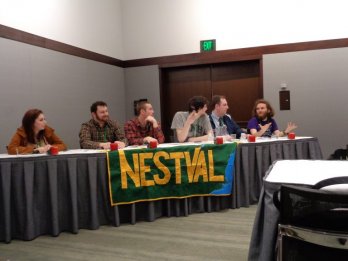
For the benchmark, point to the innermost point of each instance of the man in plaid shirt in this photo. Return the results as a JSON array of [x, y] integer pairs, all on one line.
[[144, 128], [100, 131]]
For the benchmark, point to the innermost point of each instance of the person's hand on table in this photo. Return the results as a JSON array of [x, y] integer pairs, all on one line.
[[121, 144], [43, 149], [148, 139], [104, 145]]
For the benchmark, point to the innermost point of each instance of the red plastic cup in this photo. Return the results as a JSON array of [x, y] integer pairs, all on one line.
[[153, 144], [251, 138], [219, 140], [54, 150], [291, 136], [113, 146]]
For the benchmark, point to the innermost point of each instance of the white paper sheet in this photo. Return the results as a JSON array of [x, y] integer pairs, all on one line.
[[266, 139], [80, 151], [67, 152], [7, 156], [308, 172]]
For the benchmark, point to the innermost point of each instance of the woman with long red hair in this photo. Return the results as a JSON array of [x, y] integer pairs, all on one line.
[[34, 136]]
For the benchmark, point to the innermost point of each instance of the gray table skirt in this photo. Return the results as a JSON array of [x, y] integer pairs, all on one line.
[[254, 159], [49, 195], [265, 228], [52, 194]]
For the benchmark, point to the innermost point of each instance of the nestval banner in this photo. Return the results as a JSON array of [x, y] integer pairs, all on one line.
[[172, 172]]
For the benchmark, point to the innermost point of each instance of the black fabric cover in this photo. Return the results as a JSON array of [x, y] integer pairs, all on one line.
[[316, 210]]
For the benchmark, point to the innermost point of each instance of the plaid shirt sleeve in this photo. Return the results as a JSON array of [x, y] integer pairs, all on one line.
[[118, 133], [133, 135], [86, 139]]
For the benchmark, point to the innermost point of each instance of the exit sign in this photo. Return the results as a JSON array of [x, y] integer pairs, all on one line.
[[208, 45]]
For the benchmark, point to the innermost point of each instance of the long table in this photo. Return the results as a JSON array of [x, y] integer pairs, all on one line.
[[254, 159], [51, 194]]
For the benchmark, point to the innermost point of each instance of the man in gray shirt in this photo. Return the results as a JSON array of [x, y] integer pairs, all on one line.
[[192, 125]]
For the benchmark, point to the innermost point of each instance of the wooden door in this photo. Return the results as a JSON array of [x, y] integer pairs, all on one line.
[[240, 83], [178, 86]]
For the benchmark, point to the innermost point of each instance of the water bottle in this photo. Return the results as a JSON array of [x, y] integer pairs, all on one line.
[[211, 137]]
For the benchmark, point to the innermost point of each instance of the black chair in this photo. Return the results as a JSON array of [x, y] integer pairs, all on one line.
[[313, 223], [339, 154]]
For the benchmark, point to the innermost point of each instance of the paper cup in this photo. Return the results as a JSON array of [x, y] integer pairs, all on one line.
[[152, 144], [251, 138], [291, 136], [54, 150], [219, 140], [113, 146]]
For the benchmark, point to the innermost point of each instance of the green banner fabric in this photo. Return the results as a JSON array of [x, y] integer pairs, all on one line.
[[172, 172]]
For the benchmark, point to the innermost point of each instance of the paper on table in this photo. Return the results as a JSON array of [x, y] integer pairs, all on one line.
[[67, 152], [7, 156], [164, 145], [266, 139], [81, 151], [308, 172], [132, 147], [168, 145]]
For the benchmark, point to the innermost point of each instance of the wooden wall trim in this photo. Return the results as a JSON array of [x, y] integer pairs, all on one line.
[[242, 54], [32, 39]]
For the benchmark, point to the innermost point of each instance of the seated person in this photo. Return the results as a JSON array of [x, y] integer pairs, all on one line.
[[263, 125], [34, 136], [192, 125], [219, 117], [100, 131], [144, 128]]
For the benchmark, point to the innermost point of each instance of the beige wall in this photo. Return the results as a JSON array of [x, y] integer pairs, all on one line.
[[154, 28], [63, 86], [88, 24], [133, 29], [140, 83], [318, 82]]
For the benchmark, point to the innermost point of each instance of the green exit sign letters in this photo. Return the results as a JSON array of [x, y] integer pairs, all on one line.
[[208, 45]]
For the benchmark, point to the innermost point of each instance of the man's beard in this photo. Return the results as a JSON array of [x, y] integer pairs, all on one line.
[[263, 116], [103, 119]]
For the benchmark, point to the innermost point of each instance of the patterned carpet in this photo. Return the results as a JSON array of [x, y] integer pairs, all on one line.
[[208, 236]]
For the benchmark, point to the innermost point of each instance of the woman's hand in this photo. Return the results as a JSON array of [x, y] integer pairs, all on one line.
[[43, 149]]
